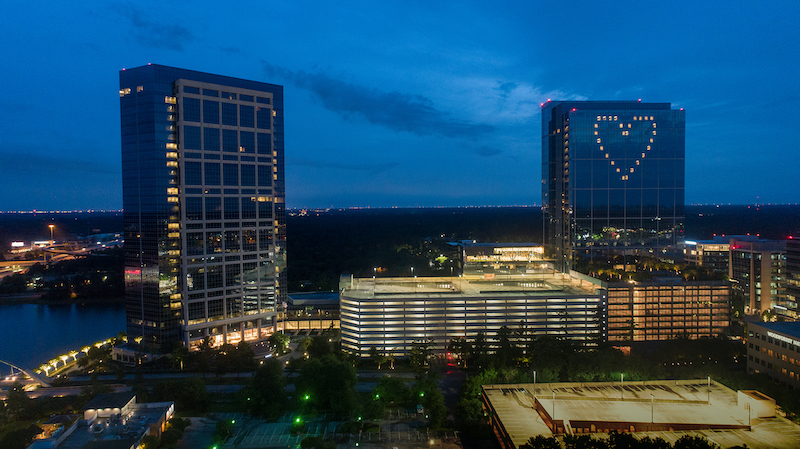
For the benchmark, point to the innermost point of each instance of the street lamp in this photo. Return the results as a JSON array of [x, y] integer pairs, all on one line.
[[651, 408], [51, 226], [374, 272], [747, 406]]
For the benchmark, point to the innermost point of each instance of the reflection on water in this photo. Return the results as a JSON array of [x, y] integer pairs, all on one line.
[[32, 334]]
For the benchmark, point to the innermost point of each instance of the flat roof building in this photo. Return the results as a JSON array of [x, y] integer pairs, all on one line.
[[666, 308], [668, 409], [793, 274], [774, 349], [391, 313], [204, 200], [757, 269], [499, 259]]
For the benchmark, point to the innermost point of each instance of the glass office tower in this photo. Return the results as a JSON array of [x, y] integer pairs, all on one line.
[[204, 206], [612, 178]]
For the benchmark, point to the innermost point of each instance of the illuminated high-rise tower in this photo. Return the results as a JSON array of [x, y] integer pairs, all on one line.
[[612, 178], [204, 201]]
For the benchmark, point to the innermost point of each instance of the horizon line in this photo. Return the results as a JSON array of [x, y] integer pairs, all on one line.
[[325, 208]]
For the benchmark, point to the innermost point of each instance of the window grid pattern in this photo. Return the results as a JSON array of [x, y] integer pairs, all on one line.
[[643, 312]]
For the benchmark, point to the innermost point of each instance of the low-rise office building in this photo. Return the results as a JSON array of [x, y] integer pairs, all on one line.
[[774, 349], [712, 254], [663, 307], [310, 312], [757, 270], [391, 313], [500, 259], [666, 308], [111, 421], [793, 274]]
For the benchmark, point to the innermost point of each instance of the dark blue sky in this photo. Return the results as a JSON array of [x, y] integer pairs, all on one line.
[[407, 103]]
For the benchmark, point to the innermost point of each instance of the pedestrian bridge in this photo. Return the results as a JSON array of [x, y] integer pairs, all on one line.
[[30, 373]]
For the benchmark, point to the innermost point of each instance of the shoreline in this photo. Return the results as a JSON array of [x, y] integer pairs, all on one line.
[[35, 298]]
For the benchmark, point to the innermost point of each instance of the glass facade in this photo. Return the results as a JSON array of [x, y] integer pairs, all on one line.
[[612, 178], [204, 237]]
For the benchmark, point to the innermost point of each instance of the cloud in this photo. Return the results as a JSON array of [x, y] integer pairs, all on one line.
[[156, 35], [487, 151], [395, 110], [373, 168], [506, 88], [498, 102], [231, 50]]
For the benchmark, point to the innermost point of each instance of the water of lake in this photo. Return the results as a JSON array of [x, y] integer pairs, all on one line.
[[32, 334]]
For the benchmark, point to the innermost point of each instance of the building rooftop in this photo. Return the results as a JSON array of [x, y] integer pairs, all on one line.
[[666, 409], [312, 298], [111, 444], [789, 328], [537, 284], [121, 433], [110, 400]]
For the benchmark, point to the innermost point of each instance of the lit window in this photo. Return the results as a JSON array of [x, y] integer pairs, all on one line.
[[616, 118], [601, 148], [612, 163], [607, 156], [651, 117], [629, 125], [598, 119], [637, 161], [648, 148], [617, 170], [654, 125], [139, 88], [625, 133], [596, 125], [651, 140], [170, 100], [620, 125], [123, 92], [632, 167], [598, 140], [654, 132], [634, 117]]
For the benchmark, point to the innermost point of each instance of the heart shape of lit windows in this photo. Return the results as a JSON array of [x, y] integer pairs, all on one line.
[[612, 123]]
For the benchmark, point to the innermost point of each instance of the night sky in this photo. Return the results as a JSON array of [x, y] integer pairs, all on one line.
[[407, 103]]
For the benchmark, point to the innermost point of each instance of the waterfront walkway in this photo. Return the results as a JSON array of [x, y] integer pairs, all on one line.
[[30, 373]]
